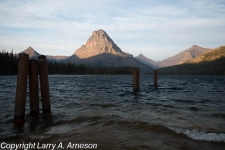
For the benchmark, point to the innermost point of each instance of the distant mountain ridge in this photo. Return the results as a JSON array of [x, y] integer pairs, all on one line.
[[185, 56], [32, 53], [209, 63], [180, 58], [101, 51], [147, 61]]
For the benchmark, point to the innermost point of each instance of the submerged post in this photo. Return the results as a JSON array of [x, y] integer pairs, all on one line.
[[136, 80], [43, 71], [21, 89], [155, 78], [33, 87]]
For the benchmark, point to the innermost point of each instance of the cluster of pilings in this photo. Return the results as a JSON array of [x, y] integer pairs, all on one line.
[[136, 77], [31, 67]]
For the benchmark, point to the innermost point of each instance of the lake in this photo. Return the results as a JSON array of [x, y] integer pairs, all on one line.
[[183, 112]]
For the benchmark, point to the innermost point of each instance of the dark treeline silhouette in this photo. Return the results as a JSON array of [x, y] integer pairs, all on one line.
[[9, 64], [55, 67], [215, 67]]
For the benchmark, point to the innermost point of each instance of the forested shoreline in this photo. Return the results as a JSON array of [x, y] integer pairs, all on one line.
[[215, 67], [8, 63], [9, 66]]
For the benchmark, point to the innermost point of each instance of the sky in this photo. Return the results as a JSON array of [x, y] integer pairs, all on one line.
[[156, 28]]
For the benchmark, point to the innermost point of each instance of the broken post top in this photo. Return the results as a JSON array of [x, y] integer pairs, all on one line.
[[42, 57], [23, 54], [33, 59]]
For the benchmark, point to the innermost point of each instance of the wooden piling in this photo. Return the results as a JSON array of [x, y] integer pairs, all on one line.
[[155, 78], [43, 72], [136, 80], [21, 89], [33, 87]]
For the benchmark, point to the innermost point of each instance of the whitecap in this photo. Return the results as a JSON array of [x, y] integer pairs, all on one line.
[[200, 135]]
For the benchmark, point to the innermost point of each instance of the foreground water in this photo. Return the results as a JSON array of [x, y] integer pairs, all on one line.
[[184, 112]]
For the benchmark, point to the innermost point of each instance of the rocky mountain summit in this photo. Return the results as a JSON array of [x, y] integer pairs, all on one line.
[[99, 43]]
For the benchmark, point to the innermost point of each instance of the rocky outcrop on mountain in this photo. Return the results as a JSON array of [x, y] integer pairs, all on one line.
[[99, 43]]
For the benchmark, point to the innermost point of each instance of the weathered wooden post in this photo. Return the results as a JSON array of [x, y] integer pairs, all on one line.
[[43, 72], [155, 78], [136, 80], [33, 87], [21, 89]]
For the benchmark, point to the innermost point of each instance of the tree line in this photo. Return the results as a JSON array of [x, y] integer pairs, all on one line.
[[8, 63], [9, 66], [55, 67], [215, 67]]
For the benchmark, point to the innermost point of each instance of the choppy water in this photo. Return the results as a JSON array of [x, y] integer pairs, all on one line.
[[184, 112]]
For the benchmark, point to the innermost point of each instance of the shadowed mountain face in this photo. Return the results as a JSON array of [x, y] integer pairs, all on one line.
[[106, 60], [101, 51], [147, 61], [58, 58]]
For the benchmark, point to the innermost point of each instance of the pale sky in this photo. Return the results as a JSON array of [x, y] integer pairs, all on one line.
[[156, 28]]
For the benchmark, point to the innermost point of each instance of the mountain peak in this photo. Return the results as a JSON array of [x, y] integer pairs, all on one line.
[[98, 32], [31, 52], [99, 43], [147, 61], [30, 49], [195, 47], [140, 55]]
